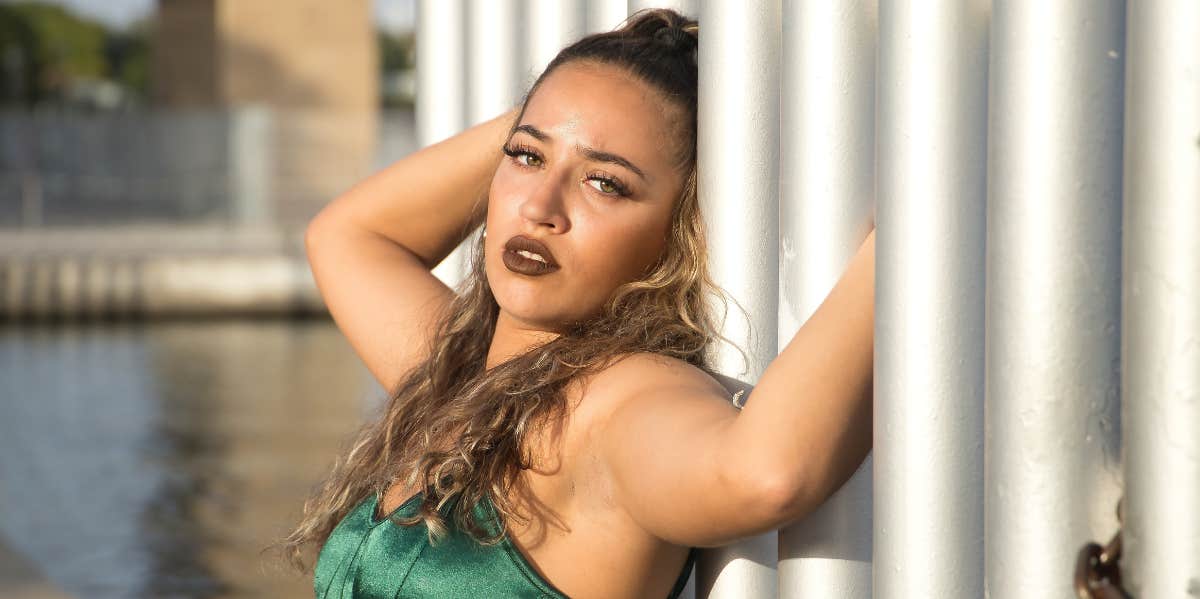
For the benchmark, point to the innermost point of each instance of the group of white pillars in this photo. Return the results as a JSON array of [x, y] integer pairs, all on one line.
[[1033, 170]]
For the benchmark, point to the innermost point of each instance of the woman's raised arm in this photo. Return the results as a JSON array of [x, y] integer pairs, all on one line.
[[371, 249], [808, 420], [691, 469]]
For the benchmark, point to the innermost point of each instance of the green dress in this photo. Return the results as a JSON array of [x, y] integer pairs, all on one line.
[[369, 558]]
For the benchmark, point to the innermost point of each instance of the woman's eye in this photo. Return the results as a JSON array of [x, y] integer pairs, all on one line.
[[523, 156], [606, 186]]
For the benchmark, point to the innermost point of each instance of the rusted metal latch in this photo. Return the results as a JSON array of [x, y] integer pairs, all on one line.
[[1098, 569]]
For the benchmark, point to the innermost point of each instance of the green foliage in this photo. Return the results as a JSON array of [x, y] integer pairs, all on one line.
[[75, 46], [128, 55], [44, 48], [396, 51], [18, 56], [397, 56]]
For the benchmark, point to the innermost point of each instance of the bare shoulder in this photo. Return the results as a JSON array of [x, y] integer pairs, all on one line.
[[661, 434], [651, 390], [649, 377]]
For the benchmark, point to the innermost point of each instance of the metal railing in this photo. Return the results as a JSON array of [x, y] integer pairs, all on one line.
[[245, 165], [168, 212]]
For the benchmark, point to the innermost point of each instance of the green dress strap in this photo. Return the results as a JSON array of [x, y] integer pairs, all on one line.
[[373, 558]]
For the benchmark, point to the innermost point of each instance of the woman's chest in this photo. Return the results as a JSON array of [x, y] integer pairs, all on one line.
[[575, 534], [567, 526]]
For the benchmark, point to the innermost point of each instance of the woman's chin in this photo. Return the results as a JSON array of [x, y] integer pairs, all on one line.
[[539, 313], [535, 305]]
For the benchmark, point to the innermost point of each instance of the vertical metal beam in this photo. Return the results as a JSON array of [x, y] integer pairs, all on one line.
[[494, 58], [441, 70], [1053, 287], [827, 200], [738, 117], [1161, 326], [441, 91], [605, 15], [552, 25], [495, 63], [928, 450], [689, 8]]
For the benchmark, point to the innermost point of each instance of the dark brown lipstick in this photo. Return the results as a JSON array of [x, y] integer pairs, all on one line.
[[521, 256]]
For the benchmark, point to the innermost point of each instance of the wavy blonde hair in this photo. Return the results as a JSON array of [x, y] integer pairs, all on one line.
[[494, 412]]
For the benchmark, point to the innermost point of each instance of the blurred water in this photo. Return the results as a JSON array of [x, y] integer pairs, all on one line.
[[159, 459]]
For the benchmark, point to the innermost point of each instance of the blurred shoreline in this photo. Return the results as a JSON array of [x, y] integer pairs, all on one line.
[[155, 271], [21, 580]]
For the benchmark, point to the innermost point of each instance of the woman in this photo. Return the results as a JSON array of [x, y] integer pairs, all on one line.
[[553, 430]]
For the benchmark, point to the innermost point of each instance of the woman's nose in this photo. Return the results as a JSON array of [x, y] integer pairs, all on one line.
[[545, 205]]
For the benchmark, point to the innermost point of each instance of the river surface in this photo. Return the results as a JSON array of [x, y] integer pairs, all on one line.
[[160, 459]]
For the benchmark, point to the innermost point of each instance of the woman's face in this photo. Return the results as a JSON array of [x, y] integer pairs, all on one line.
[[588, 178]]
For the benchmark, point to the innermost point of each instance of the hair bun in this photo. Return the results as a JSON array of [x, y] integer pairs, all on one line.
[[676, 37]]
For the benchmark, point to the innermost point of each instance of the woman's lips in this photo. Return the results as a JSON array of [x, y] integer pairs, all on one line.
[[528, 256]]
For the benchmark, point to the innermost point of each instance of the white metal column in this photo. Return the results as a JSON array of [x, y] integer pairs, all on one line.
[[688, 8], [1161, 326], [441, 90], [441, 70], [928, 441], [1053, 288], [495, 58], [827, 199], [738, 185], [605, 15], [551, 26]]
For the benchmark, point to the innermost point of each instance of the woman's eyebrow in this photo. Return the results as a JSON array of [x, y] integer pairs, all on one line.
[[537, 134], [588, 152], [599, 156]]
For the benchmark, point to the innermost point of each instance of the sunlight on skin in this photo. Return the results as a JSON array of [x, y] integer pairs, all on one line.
[[603, 222]]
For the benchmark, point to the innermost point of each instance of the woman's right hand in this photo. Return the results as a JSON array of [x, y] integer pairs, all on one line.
[[371, 249]]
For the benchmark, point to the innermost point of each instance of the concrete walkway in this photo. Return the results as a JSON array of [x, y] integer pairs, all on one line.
[[155, 270], [20, 580]]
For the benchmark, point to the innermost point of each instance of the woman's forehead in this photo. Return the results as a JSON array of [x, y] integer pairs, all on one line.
[[600, 106]]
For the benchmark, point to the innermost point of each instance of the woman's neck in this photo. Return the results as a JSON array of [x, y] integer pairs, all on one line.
[[513, 338]]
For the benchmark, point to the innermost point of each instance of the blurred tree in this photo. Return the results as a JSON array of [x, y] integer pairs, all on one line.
[[45, 48], [128, 56], [397, 60], [18, 53], [395, 51]]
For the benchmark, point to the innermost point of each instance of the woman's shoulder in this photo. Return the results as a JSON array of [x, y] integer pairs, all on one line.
[[643, 374], [650, 367]]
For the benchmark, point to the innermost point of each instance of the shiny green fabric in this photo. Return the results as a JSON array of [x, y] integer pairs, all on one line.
[[369, 558]]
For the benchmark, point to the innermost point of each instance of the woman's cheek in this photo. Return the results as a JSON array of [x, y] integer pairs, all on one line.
[[643, 246]]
